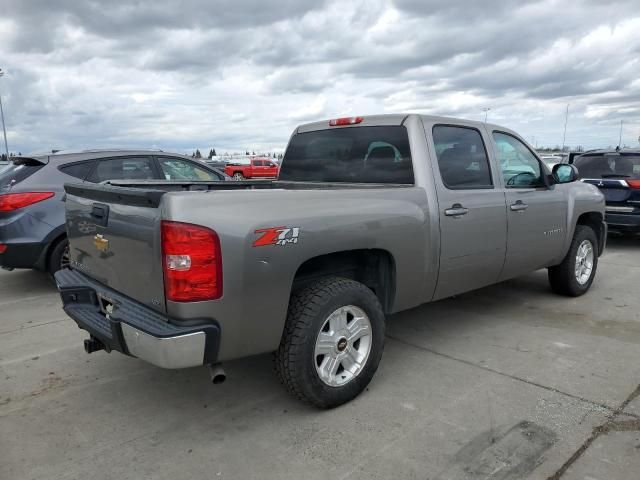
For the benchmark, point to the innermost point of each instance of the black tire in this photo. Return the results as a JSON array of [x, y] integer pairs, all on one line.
[[57, 256], [238, 176], [295, 359], [562, 277]]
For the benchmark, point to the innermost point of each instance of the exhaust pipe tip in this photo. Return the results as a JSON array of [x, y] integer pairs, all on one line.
[[218, 375]]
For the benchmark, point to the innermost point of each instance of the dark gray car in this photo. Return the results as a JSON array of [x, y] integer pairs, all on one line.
[[32, 222]]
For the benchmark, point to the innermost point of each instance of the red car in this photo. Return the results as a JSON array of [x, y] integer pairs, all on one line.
[[256, 168]]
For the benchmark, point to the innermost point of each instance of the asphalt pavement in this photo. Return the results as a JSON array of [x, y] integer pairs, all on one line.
[[507, 382]]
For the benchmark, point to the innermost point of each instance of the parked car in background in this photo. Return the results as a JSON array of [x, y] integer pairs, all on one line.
[[552, 160], [617, 174], [257, 167], [369, 216], [32, 223]]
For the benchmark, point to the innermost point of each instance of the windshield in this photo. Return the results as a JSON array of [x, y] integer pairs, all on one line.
[[17, 170], [349, 155], [609, 166]]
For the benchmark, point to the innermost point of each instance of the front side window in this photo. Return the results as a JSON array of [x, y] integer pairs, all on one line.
[[349, 155], [462, 157], [179, 169], [520, 167], [127, 168]]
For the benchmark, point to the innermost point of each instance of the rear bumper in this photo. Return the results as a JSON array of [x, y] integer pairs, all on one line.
[[623, 221], [127, 326], [23, 255]]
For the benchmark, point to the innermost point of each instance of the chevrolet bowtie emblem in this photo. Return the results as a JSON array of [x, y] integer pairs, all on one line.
[[101, 243]]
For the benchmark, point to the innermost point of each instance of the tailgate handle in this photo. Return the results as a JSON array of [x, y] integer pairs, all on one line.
[[100, 213]]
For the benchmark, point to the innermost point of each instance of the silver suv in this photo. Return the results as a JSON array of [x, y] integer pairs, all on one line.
[[32, 225]]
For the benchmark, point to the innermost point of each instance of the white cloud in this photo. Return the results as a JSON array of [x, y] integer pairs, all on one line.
[[240, 75]]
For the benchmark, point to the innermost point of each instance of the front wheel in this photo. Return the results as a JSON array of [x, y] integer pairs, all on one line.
[[574, 276], [238, 176], [332, 342]]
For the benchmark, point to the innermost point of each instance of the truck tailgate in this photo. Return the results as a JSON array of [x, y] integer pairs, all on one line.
[[114, 238]]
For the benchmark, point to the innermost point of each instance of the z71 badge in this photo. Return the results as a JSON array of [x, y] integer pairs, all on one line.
[[276, 236]]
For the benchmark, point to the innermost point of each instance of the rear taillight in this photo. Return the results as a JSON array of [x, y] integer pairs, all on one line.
[[635, 184], [192, 262], [3, 248], [337, 122], [14, 201]]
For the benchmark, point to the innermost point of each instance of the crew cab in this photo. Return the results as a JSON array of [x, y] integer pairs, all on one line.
[[256, 168], [370, 216]]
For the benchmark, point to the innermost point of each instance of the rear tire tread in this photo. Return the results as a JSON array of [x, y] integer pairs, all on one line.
[[304, 306]]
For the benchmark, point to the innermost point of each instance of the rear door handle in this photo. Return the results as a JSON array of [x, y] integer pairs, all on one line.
[[519, 206], [456, 210]]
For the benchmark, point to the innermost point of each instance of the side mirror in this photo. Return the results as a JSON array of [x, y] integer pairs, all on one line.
[[565, 173]]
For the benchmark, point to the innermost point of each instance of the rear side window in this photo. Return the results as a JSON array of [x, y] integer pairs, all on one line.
[[127, 168], [18, 170], [613, 165], [349, 155], [462, 157], [78, 170]]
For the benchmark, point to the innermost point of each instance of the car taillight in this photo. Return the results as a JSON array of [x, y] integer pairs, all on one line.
[[635, 184], [192, 262], [337, 122], [14, 201], [3, 248]]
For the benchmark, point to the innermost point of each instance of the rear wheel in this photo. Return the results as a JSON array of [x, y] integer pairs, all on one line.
[[332, 342], [59, 256], [238, 176], [574, 276]]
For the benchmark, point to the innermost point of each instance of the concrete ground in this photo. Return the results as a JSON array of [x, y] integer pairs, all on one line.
[[508, 382]]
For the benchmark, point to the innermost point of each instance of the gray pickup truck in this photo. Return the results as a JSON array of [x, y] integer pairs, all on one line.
[[369, 216]]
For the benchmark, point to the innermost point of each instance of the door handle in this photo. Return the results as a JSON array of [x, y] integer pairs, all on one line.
[[519, 206], [456, 210]]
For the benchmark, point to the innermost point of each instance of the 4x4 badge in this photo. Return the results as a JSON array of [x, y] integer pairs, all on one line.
[[277, 236]]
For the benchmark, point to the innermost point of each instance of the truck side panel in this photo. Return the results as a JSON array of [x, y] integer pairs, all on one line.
[[258, 279]]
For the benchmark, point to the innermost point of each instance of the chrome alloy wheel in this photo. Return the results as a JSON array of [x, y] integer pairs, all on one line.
[[343, 346], [584, 262]]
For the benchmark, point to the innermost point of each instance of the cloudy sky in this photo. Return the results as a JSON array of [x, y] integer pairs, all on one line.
[[238, 74]]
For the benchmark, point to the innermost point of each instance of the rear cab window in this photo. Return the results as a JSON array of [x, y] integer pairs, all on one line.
[[17, 170], [376, 154]]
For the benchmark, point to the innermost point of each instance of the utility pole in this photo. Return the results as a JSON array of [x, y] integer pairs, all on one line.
[[4, 130], [566, 118], [486, 111], [620, 138]]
